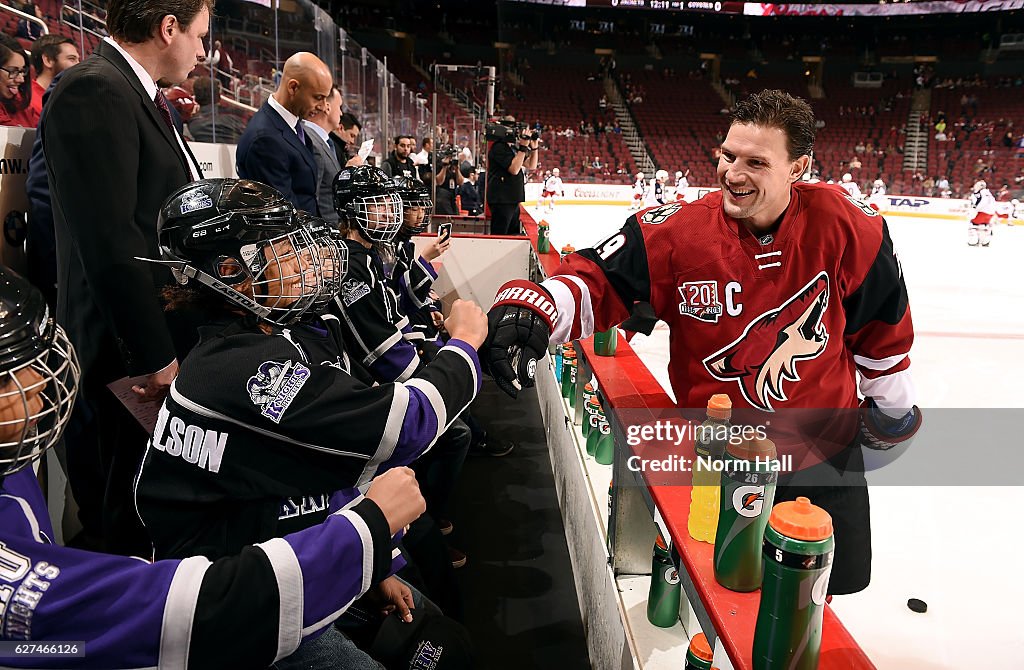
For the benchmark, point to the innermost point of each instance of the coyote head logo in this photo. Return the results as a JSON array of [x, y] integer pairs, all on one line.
[[766, 353]]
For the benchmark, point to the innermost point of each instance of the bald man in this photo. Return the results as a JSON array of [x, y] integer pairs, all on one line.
[[275, 148]]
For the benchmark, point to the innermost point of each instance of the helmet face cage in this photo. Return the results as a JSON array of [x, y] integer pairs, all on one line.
[[415, 222], [291, 273], [333, 252], [379, 217], [36, 399]]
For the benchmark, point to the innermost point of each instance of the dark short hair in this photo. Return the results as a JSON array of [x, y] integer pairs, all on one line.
[[205, 91], [136, 21], [348, 119], [8, 46], [426, 139], [48, 46], [399, 138], [772, 108]]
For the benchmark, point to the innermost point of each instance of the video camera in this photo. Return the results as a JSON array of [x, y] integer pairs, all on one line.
[[447, 152], [509, 131]]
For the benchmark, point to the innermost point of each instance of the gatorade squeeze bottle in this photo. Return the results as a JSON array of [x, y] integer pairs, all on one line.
[[588, 408], [543, 237], [699, 655], [569, 377], [566, 250], [604, 454], [596, 418], [798, 548], [748, 489], [663, 599], [712, 436]]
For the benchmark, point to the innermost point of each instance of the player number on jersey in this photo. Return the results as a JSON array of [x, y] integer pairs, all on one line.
[[608, 248]]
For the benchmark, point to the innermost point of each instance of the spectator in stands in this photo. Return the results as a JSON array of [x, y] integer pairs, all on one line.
[[275, 148], [469, 194], [449, 178], [942, 186], [213, 123], [220, 60], [859, 149], [110, 106], [929, 186], [348, 135], [30, 30], [319, 124], [855, 163], [597, 164], [421, 157], [398, 163], [51, 55], [15, 85]]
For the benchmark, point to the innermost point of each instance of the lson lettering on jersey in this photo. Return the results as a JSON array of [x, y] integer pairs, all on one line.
[[199, 446]]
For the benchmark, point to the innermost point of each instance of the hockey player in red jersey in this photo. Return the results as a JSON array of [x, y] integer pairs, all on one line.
[[777, 292]]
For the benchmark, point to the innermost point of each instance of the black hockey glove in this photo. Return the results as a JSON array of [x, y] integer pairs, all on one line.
[[880, 431], [518, 328]]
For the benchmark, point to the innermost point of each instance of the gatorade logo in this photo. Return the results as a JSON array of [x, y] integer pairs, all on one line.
[[671, 576], [820, 588], [748, 500]]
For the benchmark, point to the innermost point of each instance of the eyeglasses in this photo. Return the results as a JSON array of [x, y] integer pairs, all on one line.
[[15, 72]]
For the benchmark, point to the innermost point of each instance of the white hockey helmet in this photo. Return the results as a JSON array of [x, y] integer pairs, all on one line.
[[847, 178], [639, 175], [1015, 202], [554, 171], [879, 182], [979, 185], [661, 175], [679, 173]]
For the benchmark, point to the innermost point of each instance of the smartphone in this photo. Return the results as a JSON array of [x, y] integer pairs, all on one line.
[[444, 231]]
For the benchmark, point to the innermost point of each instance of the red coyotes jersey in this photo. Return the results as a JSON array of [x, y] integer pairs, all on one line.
[[776, 321]]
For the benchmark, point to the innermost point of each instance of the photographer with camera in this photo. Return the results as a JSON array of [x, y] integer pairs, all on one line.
[[514, 147], [448, 179]]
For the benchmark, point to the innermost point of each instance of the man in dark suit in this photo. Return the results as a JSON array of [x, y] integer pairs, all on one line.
[[346, 138], [318, 128], [275, 148], [112, 157]]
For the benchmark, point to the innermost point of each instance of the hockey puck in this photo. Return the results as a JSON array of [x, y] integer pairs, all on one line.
[[918, 606]]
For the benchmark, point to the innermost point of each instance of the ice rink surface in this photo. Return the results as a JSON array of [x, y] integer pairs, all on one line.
[[956, 548]]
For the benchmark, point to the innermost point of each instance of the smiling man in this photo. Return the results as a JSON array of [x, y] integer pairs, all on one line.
[[108, 110], [777, 292]]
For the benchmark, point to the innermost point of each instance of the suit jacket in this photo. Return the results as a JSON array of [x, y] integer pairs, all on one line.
[[111, 161], [270, 152], [327, 169]]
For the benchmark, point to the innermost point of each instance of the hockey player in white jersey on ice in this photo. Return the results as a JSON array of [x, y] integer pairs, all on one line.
[[981, 212]]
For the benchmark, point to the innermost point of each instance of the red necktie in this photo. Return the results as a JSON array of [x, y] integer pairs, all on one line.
[[165, 111]]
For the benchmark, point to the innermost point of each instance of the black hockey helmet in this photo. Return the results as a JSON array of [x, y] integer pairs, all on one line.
[[39, 375], [417, 205], [229, 233], [366, 198]]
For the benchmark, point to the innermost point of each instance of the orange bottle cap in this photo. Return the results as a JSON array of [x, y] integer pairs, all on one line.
[[700, 648], [595, 402], [720, 406], [801, 520], [661, 542], [752, 449], [568, 249], [589, 388]]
